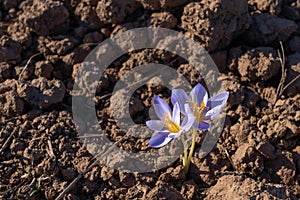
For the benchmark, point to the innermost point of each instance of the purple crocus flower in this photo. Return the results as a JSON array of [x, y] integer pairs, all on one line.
[[203, 108], [168, 126]]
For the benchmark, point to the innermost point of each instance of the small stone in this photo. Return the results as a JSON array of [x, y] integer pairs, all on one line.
[[266, 149], [43, 69], [94, 37]]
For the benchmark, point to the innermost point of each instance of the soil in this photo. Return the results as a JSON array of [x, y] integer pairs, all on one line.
[[42, 44]]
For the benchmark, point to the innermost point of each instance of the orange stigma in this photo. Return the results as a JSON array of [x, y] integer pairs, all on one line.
[[197, 110], [170, 125]]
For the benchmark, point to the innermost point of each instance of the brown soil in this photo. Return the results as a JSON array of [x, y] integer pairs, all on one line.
[[42, 44]]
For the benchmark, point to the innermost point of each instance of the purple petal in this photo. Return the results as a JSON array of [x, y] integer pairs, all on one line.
[[176, 114], [202, 125], [179, 96], [211, 114], [155, 125], [215, 105], [187, 109], [175, 135], [218, 100], [159, 139], [184, 121], [188, 120], [161, 107], [199, 94]]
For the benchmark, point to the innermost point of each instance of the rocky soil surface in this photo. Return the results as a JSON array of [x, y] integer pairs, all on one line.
[[42, 46]]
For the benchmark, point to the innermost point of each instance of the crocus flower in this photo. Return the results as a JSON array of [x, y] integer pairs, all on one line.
[[168, 126], [204, 109]]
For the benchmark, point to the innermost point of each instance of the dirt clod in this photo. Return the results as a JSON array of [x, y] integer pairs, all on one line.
[[259, 63], [45, 17], [114, 11], [10, 50], [46, 45], [216, 23], [42, 92], [267, 29], [164, 19], [238, 187]]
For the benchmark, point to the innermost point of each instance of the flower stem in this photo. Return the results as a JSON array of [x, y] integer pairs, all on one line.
[[192, 147], [188, 156], [185, 155]]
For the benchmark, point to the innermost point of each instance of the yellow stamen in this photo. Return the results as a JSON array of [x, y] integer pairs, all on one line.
[[170, 125], [197, 110]]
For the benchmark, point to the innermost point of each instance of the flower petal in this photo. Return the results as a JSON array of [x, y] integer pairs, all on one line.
[[155, 125], [201, 125], [189, 119], [215, 105], [179, 96], [176, 114], [211, 114], [161, 107], [175, 135], [159, 139], [219, 99], [199, 94]]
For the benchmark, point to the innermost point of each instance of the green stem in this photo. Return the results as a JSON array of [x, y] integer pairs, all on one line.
[[192, 147], [188, 156], [185, 155], [193, 144]]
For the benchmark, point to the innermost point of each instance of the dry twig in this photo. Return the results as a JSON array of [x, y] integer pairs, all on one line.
[[283, 72], [28, 62], [281, 88], [228, 156], [8, 139], [50, 149]]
